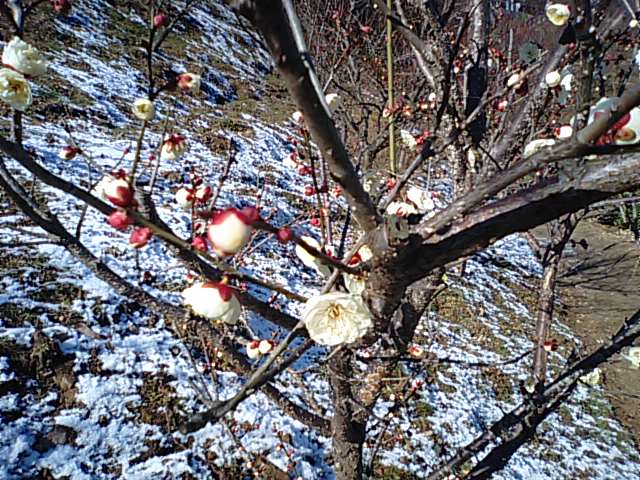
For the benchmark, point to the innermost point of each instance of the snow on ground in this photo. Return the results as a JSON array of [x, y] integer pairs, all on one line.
[[134, 381]]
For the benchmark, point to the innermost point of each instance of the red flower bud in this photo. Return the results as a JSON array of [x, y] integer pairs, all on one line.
[[120, 219], [160, 20], [391, 183], [251, 214], [309, 190], [200, 243], [284, 235], [140, 237], [315, 221]]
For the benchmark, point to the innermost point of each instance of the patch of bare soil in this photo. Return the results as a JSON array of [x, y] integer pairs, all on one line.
[[600, 288]]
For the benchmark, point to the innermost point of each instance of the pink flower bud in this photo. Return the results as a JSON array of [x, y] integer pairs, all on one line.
[[189, 82], [200, 243], [160, 20], [230, 230], [309, 190], [284, 235], [119, 192], [140, 237], [120, 219], [315, 221], [251, 214]]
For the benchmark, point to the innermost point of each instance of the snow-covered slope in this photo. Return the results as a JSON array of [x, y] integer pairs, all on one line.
[[92, 386]]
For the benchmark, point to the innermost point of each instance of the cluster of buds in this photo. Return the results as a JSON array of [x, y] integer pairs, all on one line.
[[116, 189], [256, 348], [186, 198]]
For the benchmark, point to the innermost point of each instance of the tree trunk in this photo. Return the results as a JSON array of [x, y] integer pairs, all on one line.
[[348, 425]]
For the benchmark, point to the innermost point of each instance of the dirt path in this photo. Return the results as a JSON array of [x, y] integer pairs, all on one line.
[[600, 287]]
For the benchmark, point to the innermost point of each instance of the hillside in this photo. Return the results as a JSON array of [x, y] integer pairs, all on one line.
[[93, 386]]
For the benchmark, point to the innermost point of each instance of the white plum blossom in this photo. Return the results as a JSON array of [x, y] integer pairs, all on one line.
[[408, 140], [421, 199], [214, 301], [514, 80], [265, 346], [298, 117], [401, 209], [593, 378], [552, 79], [143, 109], [23, 58], [355, 283], [535, 146], [633, 355], [333, 101], [290, 161], [308, 259], [336, 318], [558, 13], [565, 86], [15, 90]]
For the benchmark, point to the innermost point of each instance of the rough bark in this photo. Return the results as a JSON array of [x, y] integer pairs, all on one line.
[[348, 425]]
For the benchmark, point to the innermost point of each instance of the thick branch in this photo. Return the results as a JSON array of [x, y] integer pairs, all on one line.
[[270, 18], [519, 212]]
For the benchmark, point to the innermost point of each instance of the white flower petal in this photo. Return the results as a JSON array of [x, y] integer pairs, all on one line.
[[336, 318], [558, 13], [15, 89], [23, 58]]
